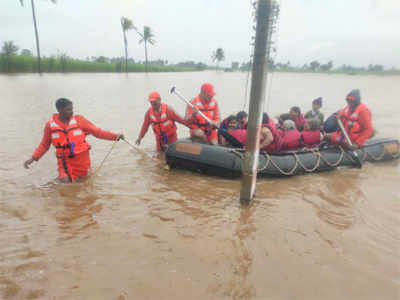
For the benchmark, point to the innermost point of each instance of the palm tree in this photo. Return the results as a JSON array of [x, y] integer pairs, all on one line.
[[36, 30], [218, 56], [9, 50], [147, 37], [126, 24]]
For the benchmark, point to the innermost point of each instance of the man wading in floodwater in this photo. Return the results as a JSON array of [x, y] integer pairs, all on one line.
[[67, 132]]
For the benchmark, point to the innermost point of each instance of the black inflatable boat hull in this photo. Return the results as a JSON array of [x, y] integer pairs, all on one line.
[[227, 162]]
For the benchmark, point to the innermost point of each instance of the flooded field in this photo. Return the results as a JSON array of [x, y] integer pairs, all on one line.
[[138, 231]]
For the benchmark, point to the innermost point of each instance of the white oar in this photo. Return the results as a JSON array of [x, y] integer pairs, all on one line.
[[174, 91], [354, 153], [233, 141]]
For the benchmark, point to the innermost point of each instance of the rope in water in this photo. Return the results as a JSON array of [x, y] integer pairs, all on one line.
[[138, 149], [105, 158]]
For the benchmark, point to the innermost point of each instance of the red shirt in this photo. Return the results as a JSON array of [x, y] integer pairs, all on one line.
[[171, 116], [83, 124]]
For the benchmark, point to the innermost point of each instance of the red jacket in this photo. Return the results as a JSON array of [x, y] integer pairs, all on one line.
[[299, 122], [311, 138], [276, 144], [240, 135], [291, 140]]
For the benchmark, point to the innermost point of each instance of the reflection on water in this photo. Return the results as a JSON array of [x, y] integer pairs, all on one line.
[[138, 231], [79, 209], [241, 287]]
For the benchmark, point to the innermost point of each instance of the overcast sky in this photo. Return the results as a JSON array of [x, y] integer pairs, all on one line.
[[357, 32]]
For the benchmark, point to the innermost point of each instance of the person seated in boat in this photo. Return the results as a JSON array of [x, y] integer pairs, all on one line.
[[297, 117], [270, 140], [270, 137], [67, 132], [311, 135], [291, 136], [162, 118], [237, 136], [315, 111], [282, 118], [330, 124], [224, 126], [357, 121], [241, 117], [205, 102]]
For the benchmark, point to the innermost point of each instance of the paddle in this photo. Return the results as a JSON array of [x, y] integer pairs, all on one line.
[[232, 140], [354, 154]]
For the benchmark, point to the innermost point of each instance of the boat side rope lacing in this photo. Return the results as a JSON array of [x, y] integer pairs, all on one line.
[[319, 157], [289, 173], [309, 169], [333, 165]]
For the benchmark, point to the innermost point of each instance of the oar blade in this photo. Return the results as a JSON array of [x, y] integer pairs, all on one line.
[[357, 160]]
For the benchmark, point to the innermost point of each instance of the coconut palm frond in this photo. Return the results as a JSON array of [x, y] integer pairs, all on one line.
[[127, 24]]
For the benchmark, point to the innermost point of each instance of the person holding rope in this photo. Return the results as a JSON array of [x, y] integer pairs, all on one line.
[[67, 133], [163, 119], [201, 129]]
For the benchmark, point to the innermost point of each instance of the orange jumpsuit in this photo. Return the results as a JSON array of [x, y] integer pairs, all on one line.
[[78, 165], [211, 110], [358, 124], [154, 118]]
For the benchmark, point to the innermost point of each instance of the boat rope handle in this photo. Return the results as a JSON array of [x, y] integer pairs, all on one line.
[[317, 164], [320, 158]]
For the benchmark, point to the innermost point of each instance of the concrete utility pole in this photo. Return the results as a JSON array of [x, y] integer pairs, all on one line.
[[257, 98]]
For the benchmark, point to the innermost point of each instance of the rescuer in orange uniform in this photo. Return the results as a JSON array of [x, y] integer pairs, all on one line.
[[67, 132], [204, 102], [357, 120], [163, 119]]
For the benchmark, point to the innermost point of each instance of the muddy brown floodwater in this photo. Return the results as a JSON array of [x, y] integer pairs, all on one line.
[[138, 231]]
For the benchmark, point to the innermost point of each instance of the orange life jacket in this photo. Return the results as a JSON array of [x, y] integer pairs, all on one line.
[[209, 109], [351, 120], [69, 141], [162, 126]]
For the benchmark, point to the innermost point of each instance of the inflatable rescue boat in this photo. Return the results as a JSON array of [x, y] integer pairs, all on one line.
[[227, 162]]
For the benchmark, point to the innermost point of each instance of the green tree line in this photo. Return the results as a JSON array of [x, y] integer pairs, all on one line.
[[317, 67], [13, 60]]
